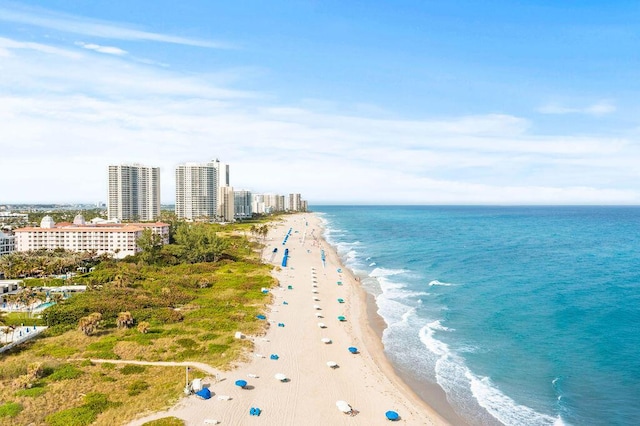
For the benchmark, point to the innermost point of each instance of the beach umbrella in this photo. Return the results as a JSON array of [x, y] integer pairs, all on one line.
[[343, 406], [261, 317], [353, 349], [314, 285], [321, 325], [319, 315], [341, 318], [316, 299], [317, 307], [204, 393], [339, 283], [325, 340], [392, 415], [332, 364], [241, 383], [314, 291], [281, 377], [340, 300], [274, 356]]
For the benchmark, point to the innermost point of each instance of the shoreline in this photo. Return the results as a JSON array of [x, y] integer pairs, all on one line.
[[432, 398], [306, 289]]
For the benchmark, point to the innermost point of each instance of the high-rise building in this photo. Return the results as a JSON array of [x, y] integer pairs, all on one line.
[[295, 202], [222, 175], [242, 204], [226, 203], [197, 191], [134, 193]]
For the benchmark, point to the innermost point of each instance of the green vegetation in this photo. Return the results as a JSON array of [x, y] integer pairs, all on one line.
[[182, 302], [94, 404], [10, 409], [137, 387], [132, 369], [165, 421], [65, 372], [33, 392]]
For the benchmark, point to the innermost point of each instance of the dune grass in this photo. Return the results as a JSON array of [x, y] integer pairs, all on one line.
[[193, 312]]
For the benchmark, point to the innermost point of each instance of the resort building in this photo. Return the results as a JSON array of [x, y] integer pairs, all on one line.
[[197, 191], [118, 239], [7, 243], [267, 203], [134, 193]]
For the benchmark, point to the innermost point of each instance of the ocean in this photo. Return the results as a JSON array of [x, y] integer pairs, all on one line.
[[522, 315]]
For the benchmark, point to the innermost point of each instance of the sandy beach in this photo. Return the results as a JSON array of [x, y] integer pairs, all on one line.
[[308, 289]]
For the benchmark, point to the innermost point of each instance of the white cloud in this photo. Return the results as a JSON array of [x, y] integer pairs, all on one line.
[[599, 108], [81, 25], [63, 123], [111, 50]]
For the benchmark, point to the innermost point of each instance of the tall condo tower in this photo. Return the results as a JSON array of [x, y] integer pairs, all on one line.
[[134, 192], [197, 191]]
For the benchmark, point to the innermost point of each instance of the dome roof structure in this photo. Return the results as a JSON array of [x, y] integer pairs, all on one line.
[[79, 220], [47, 222]]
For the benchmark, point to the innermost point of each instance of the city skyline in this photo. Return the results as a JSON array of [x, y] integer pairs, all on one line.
[[409, 103]]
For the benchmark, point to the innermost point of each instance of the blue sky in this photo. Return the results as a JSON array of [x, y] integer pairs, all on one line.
[[416, 102]]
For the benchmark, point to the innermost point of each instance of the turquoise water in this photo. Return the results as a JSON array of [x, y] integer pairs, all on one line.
[[523, 315]]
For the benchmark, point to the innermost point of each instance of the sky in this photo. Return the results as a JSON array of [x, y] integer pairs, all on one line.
[[346, 102]]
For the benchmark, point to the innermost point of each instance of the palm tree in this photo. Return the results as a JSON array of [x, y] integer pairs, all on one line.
[[143, 327], [125, 320]]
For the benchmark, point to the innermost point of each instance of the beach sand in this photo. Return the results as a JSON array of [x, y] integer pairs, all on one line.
[[364, 380]]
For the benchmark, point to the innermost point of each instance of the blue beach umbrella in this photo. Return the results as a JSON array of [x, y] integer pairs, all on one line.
[[241, 383], [353, 349], [261, 317], [340, 300], [341, 318], [204, 393], [392, 415]]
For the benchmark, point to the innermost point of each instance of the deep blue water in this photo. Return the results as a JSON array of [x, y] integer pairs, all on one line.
[[523, 315]]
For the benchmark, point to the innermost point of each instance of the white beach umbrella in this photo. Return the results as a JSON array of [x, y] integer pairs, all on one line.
[[314, 291], [319, 315], [325, 340], [322, 325], [343, 406], [316, 299], [332, 364], [281, 377], [317, 307]]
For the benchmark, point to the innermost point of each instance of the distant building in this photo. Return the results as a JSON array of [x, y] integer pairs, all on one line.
[[242, 204], [7, 243], [296, 203], [197, 189], [119, 239], [134, 193], [268, 203], [226, 204]]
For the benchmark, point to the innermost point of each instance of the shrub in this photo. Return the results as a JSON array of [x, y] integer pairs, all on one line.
[[65, 372], [165, 421], [132, 369], [78, 416], [33, 392], [137, 387], [10, 409], [187, 343]]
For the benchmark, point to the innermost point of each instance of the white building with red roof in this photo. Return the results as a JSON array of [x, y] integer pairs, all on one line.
[[118, 239]]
